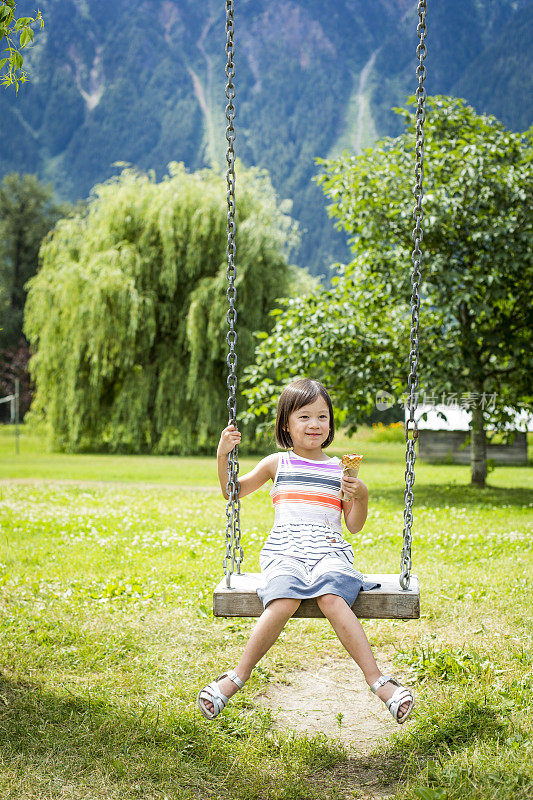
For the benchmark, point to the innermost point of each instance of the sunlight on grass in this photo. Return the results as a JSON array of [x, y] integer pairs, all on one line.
[[107, 634]]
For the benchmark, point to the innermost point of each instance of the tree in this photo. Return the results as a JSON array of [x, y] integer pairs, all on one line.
[[13, 365], [12, 66], [341, 337], [27, 213], [127, 316], [476, 312]]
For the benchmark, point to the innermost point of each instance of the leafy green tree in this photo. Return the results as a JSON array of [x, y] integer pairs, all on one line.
[[12, 66], [127, 316], [476, 311], [339, 336], [27, 213]]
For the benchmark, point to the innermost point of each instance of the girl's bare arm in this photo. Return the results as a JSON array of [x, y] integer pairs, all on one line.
[[265, 470], [356, 508]]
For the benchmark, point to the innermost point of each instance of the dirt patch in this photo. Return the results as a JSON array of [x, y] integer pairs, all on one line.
[[310, 702], [363, 778]]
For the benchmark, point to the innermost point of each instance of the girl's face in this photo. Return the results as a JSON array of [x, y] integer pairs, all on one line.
[[309, 425]]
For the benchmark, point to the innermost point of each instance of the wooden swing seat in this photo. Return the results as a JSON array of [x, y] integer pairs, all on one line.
[[390, 601]]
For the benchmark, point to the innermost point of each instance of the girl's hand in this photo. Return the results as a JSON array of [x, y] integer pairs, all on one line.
[[229, 437], [353, 488]]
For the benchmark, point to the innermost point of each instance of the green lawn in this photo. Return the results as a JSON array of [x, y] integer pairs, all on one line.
[[107, 565]]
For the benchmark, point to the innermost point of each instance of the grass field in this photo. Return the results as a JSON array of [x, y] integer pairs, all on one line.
[[107, 565]]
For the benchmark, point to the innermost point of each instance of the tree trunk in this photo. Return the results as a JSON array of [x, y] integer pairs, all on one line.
[[478, 448], [16, 289]]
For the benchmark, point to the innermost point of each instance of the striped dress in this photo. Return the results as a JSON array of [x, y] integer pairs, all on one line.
[[305, 554]]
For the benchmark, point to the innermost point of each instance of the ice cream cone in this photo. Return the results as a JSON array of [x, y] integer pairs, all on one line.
[[350, 466]]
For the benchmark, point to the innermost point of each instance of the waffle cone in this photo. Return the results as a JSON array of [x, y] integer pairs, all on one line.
[[351, 461], [350, 466]]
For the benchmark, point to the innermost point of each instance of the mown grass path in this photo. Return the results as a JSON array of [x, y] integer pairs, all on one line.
[[107, 635]]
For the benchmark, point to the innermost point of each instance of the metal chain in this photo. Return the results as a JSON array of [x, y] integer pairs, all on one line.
[[416, 256], [234, 553]]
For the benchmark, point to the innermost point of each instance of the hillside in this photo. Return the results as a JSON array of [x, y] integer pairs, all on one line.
[[143, 83]]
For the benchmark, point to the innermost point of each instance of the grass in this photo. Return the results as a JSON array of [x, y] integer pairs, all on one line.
[[107, 566]]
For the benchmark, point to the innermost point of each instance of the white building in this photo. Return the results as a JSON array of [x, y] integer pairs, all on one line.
[[459, 419]]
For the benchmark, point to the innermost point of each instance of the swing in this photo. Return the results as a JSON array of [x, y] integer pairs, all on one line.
[[398, 597]]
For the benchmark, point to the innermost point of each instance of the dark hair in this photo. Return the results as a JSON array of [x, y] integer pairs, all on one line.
[[297, 394]]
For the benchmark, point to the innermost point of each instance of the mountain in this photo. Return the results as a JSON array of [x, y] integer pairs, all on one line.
[[142, 82]]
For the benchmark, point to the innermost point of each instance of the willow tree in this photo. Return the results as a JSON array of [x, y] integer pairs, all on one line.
[[127, 315]]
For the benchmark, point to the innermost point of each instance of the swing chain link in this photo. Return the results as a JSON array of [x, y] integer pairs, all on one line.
[[234, 552], [416, 256]]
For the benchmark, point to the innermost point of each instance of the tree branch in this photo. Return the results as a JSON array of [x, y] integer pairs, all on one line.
[[504, 371]]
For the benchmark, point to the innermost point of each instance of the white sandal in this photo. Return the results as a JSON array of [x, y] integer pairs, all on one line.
[[213, 695], [400, 696]]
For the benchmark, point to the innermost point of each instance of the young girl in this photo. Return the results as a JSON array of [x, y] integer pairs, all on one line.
[[305, 554]]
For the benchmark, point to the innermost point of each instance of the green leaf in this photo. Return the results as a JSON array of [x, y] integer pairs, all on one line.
[[430, 794], [26, 36], [16, 60]]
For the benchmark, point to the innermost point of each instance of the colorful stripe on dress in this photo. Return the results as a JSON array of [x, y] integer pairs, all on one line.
[[306, 483]]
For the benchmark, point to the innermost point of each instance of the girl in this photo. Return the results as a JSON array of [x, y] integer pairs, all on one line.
[[305, 554]]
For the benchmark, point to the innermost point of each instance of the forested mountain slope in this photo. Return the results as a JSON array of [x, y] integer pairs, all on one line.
[[143, 82]]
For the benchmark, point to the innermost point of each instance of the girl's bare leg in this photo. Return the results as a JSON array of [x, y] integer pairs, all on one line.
[[266, 631], [352, 636]]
